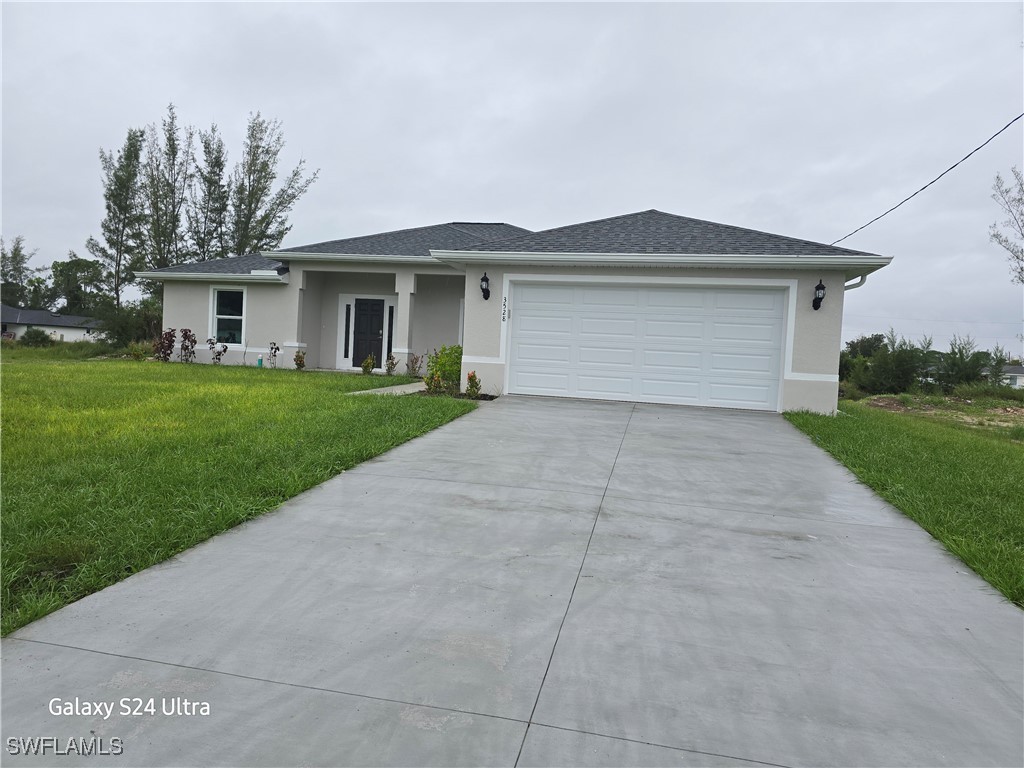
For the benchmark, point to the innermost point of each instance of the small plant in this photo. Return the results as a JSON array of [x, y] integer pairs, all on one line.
[[272, 355], [216, 350], [472, 385], [163, 347], [139, 350], [299, 359], [390, 364], [368, 364], [444, 368], [413, 364], [36, 337], [187, 351]]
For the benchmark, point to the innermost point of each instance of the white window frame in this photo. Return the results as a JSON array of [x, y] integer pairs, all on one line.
[[212, 334]]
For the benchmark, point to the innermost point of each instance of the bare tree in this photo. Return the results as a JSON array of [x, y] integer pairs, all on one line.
[[1010, 232]]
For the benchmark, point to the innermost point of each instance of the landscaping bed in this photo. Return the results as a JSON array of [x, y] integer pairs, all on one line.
[[112, 466]]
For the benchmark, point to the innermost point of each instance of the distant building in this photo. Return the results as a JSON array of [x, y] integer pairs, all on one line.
[[14, 322]]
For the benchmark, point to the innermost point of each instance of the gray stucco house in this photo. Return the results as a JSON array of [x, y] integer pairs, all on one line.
[[14, 321], [647, 307]]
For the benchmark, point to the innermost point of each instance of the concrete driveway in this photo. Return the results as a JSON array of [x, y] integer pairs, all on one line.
[[547, 582]]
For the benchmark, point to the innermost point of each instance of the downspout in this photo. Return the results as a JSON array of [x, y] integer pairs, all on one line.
[[850, 286]]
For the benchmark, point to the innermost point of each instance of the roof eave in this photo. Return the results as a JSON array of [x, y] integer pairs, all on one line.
[[853, 266], [224, 277]]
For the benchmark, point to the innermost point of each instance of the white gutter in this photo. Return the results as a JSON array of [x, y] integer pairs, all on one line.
[[850, 286], [855, 265], [344, 257], [258, 276]]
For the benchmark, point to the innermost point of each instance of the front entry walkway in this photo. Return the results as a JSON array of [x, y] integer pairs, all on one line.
[[546, 582]]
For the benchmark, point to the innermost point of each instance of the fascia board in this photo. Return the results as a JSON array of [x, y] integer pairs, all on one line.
[[215, 277], [855, 265]]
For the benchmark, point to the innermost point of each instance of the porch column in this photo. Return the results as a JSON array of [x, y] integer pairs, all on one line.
[[401, 333]]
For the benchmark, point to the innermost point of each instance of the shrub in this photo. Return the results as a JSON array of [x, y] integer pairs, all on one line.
[[216, 350], [187, 351], [444, 369], [390, 364], [963, 363], [413, 364], [368, 364], [472, 385], [979, 391], [163, 347], [36, 337], [139, 350], [850, 391], [299, 359]]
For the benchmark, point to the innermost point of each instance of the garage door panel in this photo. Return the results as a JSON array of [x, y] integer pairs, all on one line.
[[599, 386], [674, 330], [697, 346], [544, 353], [726, 362], [748, 301], [731, 395], [546, 324], [542, 383], [621, 356], [604, 298], [528, 296], [623, 328], [678, 360], [674, 299], [746, 332]]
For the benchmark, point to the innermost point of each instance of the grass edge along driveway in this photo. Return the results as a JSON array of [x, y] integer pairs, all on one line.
[[964, 487], [110, 467]]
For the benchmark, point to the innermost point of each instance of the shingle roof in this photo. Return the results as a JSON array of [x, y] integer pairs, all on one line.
[[660, 233], [236, 265], [44, 317], [414, 242]]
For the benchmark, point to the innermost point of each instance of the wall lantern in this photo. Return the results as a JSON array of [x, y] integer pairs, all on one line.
[[819, 295], [485, 286]]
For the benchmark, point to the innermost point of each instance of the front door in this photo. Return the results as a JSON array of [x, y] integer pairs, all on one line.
[[368, 331]]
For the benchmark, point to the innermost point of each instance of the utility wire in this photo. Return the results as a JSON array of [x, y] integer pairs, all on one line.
[[922, 189]]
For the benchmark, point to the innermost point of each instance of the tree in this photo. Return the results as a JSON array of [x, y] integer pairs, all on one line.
[[259, 215], [77, 285], [122, 225], [866, 346], [167, 171], [15, 272], [963, 364], [209, 200], [1010, 198]]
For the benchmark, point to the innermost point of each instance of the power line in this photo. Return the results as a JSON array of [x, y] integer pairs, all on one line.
[[922, 189]]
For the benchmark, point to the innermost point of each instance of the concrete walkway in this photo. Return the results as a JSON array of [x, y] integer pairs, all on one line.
[[547, 582]]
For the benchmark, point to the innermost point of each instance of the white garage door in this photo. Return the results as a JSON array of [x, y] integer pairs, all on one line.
[[692, 346]]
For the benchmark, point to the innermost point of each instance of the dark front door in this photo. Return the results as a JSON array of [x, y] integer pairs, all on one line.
[[368, 331]]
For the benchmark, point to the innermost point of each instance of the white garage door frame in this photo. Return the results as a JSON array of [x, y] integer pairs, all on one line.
[[788, 285]]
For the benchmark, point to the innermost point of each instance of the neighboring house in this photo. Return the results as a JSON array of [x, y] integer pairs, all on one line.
[[60, 327], [647, 307], [1013, 376]]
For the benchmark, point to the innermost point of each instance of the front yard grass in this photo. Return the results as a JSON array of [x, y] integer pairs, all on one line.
[[960, 479], [109, 467]]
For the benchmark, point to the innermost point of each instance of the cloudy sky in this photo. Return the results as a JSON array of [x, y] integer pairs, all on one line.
[[803, 119]]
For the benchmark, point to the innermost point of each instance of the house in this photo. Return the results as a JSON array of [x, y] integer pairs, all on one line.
[[60, 327], [1013, 376], [648, 307]]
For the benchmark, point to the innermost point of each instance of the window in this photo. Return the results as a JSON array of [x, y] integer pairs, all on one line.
[[227, 316]]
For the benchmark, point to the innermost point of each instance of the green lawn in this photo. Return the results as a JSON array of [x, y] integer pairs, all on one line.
[[961, 483], [111, 466]]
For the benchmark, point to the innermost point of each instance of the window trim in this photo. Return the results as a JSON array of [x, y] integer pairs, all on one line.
[[214, 316]]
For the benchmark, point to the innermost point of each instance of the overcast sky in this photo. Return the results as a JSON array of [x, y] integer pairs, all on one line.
[[802, 119]]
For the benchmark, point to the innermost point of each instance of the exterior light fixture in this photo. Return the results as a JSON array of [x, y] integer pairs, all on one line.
[[819, 295], [485, 286]]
